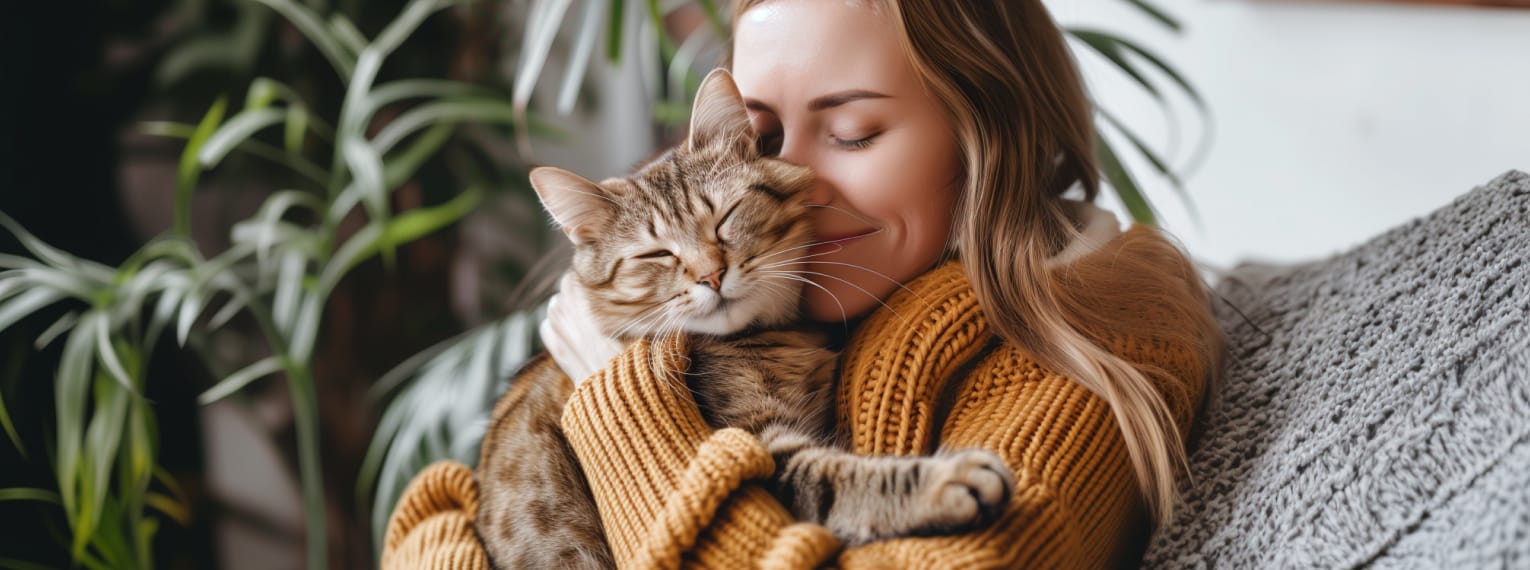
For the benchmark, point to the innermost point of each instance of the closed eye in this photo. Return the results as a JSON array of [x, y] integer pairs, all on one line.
[[853, 144], [655, 254], [728, 216]]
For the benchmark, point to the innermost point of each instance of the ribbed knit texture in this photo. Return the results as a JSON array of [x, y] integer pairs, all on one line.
[[432, 525], [1376, 404], [674, 492]]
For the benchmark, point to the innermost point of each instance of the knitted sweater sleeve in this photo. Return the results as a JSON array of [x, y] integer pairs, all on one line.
[[1076, 504], [669, 488]]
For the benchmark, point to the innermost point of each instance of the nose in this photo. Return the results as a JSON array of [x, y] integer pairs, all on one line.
[[713, 279]]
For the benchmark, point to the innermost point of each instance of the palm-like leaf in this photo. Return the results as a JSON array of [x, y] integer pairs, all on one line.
[[278, 271], [442, 410]]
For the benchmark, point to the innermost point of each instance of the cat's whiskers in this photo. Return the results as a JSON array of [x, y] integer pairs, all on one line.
[[858, 287], [788, 294], [798, 258], [671, 320], [639, 317], [808, 245], [854, 215], [654, 313], [921, 298], [793, 276]]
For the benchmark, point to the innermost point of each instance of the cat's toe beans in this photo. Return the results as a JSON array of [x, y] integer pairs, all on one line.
[[960, 503], [988, 480]]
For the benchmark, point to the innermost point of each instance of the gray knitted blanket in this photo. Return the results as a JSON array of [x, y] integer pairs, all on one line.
[[1376, 410]]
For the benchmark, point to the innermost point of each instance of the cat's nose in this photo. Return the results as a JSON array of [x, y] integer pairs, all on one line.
[[713, 280]]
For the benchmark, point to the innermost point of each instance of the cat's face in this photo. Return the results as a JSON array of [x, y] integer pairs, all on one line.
[[708, 238]]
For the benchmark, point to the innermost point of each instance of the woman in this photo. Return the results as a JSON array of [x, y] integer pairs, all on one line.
[[997, 313]]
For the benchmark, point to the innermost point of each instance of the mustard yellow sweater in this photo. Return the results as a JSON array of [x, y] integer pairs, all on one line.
[[672, 491]]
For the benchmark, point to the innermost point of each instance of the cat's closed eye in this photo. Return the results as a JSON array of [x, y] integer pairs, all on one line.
[[655, 254], [724, 224]]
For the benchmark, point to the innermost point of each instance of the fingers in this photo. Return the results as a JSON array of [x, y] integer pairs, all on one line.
[[571, 336]]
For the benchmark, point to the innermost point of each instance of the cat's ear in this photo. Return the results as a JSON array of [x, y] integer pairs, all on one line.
[[718, 117], [577, 204]]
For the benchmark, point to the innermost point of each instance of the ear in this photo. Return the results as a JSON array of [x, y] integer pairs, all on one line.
[[718, 117], [577, 204]]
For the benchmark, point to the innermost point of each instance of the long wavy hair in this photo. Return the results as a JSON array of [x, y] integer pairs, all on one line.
[[1024, 125]]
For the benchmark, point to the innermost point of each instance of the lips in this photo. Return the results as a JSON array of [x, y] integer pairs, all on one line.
[[834, 242]]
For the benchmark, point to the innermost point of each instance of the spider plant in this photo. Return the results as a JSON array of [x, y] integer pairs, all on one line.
[[282, 266]]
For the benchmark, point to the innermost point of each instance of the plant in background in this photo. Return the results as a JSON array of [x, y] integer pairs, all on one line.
[[280, 270]]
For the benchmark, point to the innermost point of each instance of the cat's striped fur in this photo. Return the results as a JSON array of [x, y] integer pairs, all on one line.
[[708, 239]]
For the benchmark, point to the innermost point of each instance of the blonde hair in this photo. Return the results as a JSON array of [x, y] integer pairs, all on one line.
[[1025, 128]]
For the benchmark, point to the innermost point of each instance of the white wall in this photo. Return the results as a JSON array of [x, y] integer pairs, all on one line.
[[1333, 121]]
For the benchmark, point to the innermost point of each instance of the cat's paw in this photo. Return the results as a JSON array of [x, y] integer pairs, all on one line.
[[894, 497], [968, 488]]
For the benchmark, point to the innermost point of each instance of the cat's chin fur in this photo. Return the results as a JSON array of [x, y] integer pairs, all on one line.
[[741, 314]]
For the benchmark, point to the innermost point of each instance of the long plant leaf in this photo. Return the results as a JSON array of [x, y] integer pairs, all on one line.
[[25, 304], [402, 89], [53, 256], [401, 165], [190, 168], [1121, 180], [29, 494], [177, 511], [616, 24], [289, 286], [102, 437], [1157, 162], [545, 17], [465, 109], [584, 51], [62, 325], [347, 33], [238, 128], [1114, 48], [256, 148], [366, 162], [1158, 14], [255, 371], [313, 28], [71, 388], [109, 359], [265, 90]]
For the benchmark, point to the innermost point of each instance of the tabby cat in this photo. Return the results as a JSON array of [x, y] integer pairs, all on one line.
[[707, 240]]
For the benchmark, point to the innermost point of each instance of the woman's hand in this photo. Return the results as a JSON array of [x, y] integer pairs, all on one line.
[[571, 336]]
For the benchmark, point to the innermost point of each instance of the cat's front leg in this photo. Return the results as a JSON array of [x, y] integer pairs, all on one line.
[[865, 499], [534, 508]]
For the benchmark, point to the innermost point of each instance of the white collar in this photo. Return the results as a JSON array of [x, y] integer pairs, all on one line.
[[1100, 226]]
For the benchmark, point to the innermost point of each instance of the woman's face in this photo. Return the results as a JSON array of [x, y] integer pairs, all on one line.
[[829, 86]]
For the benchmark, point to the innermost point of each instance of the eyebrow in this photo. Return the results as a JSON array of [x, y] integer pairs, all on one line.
[[824, 101]]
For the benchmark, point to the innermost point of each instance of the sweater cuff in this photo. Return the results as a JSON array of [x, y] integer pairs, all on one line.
[[657, 471], [432, 525], [720, 465]]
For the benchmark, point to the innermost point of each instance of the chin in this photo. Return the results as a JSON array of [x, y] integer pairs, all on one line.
[[738, 316]]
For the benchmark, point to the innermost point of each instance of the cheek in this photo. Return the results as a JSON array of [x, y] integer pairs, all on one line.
[[912, 188]]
